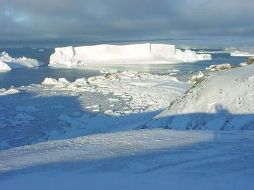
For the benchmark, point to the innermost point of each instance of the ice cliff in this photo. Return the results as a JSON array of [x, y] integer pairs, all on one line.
[[123, 54]]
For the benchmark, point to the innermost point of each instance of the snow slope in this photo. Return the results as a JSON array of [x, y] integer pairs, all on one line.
[[123, 54], [8, 63], [224, 100], [136, 159]]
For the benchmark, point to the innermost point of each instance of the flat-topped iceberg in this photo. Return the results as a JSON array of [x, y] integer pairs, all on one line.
[[8, 63], [123, 54]]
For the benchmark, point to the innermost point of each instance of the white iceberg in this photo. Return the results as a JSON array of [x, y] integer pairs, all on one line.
[[8, 63], [123, 54]]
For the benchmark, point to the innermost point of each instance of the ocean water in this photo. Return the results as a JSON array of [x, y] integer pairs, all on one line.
[[27, 76]]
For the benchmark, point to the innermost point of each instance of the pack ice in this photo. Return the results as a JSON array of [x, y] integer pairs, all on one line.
[[8, 63], [123, 54]]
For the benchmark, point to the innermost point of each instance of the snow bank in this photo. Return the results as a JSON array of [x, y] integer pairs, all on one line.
[[123, 54], [223, 101], [8, 63]]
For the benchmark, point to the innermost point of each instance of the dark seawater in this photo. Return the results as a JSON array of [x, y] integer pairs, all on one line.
[[27, 76]]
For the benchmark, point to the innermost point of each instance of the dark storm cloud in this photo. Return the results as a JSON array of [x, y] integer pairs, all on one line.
[[94, 20]]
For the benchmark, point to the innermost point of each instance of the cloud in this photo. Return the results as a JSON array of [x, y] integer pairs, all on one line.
[[95, 20]]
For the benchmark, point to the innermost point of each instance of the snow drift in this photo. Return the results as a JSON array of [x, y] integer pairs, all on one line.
[[8, 63], [224, 101], [123, 54]]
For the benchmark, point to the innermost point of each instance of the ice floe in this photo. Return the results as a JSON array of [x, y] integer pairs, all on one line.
[[123, 54]]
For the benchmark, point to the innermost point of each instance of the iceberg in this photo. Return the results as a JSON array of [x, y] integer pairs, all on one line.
[[123, 54], [7, 63], [246, 51], [241, 54]]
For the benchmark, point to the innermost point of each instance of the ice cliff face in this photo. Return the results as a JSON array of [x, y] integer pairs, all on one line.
[[123, 54], [8, 63]]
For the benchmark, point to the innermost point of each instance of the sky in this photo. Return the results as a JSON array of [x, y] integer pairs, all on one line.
[[70, 21]]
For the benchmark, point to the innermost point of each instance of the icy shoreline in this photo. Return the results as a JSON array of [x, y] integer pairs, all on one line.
[[123, 54]]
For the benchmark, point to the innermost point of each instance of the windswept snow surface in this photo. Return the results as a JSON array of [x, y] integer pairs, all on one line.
[[135, 159], [8, 63], [123, 54], [223, 101]]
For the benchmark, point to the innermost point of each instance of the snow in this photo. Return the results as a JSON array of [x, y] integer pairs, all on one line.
[[223, 101], [8, 63], [135, 159], [96, 133], [123, 54]]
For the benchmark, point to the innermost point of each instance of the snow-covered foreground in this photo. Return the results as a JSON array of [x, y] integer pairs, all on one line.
[[59, 109], [136, 159], [223, 101], [8, 63], [123, 54]]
